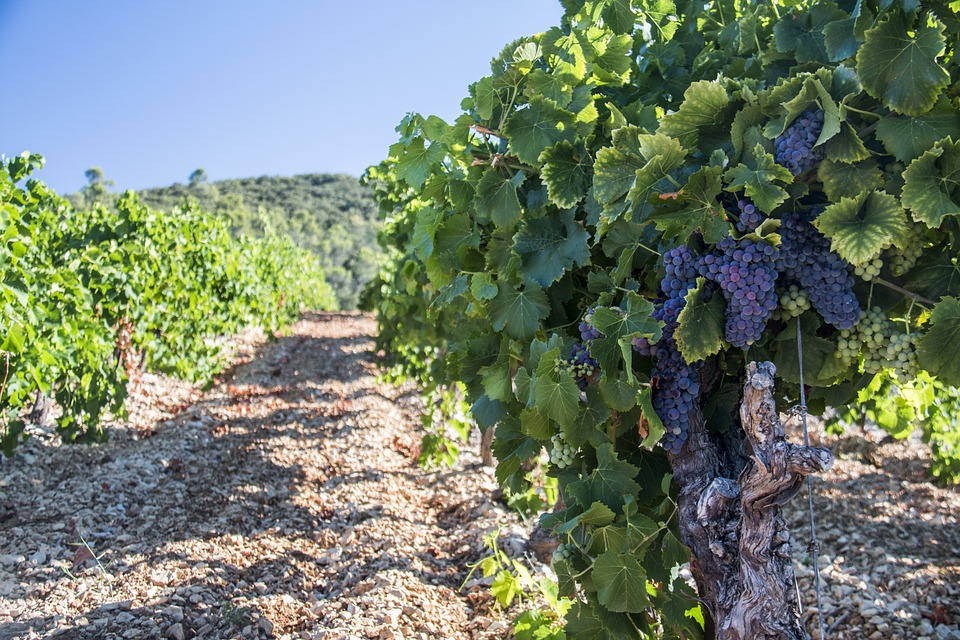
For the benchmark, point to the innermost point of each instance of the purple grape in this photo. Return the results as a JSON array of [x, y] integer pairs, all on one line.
[[794, 147], [750, 217], [806, 259], [746, 272], [582, 366], [589, 332]]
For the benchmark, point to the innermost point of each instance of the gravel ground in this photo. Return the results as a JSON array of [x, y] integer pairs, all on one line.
[[286, 503]]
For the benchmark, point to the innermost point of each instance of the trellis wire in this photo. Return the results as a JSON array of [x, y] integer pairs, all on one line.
[[814, 546]]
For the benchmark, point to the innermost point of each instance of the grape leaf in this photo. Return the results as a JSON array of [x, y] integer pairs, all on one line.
[[555, 394], [566, 171], [935, 276], [619, 16], [907, 138], [899, 67], [540, 125], [700, 210], [801, 32], [550, 246], [704, 106], [519, 312], [619, 393], [700, 327], [482, 286], [757, 180], [846, 146], [932, 184], [840, 38], [549, 85], [861, 227], [841, 180], [938, 348], [497, 199], [653, 424], [610, 482], [621, 582], [564, 53], [635, 319], [416, 163]]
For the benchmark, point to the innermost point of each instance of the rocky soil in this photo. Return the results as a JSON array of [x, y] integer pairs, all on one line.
[[286, 502]]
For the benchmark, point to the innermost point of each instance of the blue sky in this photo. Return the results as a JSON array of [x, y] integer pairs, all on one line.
[[150, 91]]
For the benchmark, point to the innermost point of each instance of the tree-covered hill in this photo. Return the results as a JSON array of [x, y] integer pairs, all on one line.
[[332, 215]]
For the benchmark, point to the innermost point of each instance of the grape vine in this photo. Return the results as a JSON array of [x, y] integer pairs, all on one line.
[[666, 191]]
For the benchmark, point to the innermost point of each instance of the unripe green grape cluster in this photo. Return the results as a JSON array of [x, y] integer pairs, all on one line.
[[869, 271], [793, 302], [564, 552], [561, 453], [902, 259], [882, 345], [873, 332], [901, 356]]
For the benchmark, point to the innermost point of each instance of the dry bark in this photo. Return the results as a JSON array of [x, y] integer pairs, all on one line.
[[739, 541]]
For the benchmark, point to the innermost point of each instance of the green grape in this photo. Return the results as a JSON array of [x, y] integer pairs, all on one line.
[[561, 453], [793, 302], [902, 259], [869, 271], [564, 552]]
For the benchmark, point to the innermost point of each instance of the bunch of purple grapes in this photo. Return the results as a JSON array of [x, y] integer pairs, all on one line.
[[794, 147], [746, 273], [806, 259], [582, 366], [750, 217], [676, 388], [589, 332]]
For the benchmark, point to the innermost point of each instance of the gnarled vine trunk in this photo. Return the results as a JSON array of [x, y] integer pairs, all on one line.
[[730, 516]]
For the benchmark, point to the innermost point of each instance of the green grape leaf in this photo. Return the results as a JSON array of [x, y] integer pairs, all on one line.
[[536, 425], [898, 65], [610, 482], [566, 171], [541, 125], [652, 422], [700, 326], [634, 320], [482, 286], [617, 392], [550, 246], [840, 37], [497, 199], [614, 174], [861, 227], [907, 138], [757, 180], [938, 348], [589, 424], [932, 184], [485, 97], [635, 164], [816, 351], [549, 85], [842, 180], [618, 15], [699, 210], [935, 276], [846, 146], [621, 582], [519, 312], [704, 106], [564, 53], [597, 515], [555, 394], [416, 163], [802, 32]]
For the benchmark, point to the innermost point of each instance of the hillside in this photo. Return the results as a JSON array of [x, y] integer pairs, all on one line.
[[331, 215]]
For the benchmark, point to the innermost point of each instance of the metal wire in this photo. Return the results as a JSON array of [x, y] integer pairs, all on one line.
[[814, 547]]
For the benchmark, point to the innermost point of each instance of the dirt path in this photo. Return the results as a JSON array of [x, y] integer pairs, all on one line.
[[285, 502]]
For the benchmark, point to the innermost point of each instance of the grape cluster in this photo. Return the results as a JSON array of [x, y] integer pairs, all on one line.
[[750, 217], [589, 332], [564, 552], [794, 147], [561, 453], [793, 302], [903, 259], [746, 272], [806, 259], [581, 366], [869, 271], [883, 346], [676, 385]]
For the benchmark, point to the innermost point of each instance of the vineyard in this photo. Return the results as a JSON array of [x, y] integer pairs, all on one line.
[[665, 347]]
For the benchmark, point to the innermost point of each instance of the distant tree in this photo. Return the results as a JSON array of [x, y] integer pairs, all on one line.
[[96, 189], [198, 177]]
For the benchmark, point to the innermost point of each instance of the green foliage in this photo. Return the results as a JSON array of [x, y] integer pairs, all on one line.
[[593, 148], [332, 216], [84, 290]]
